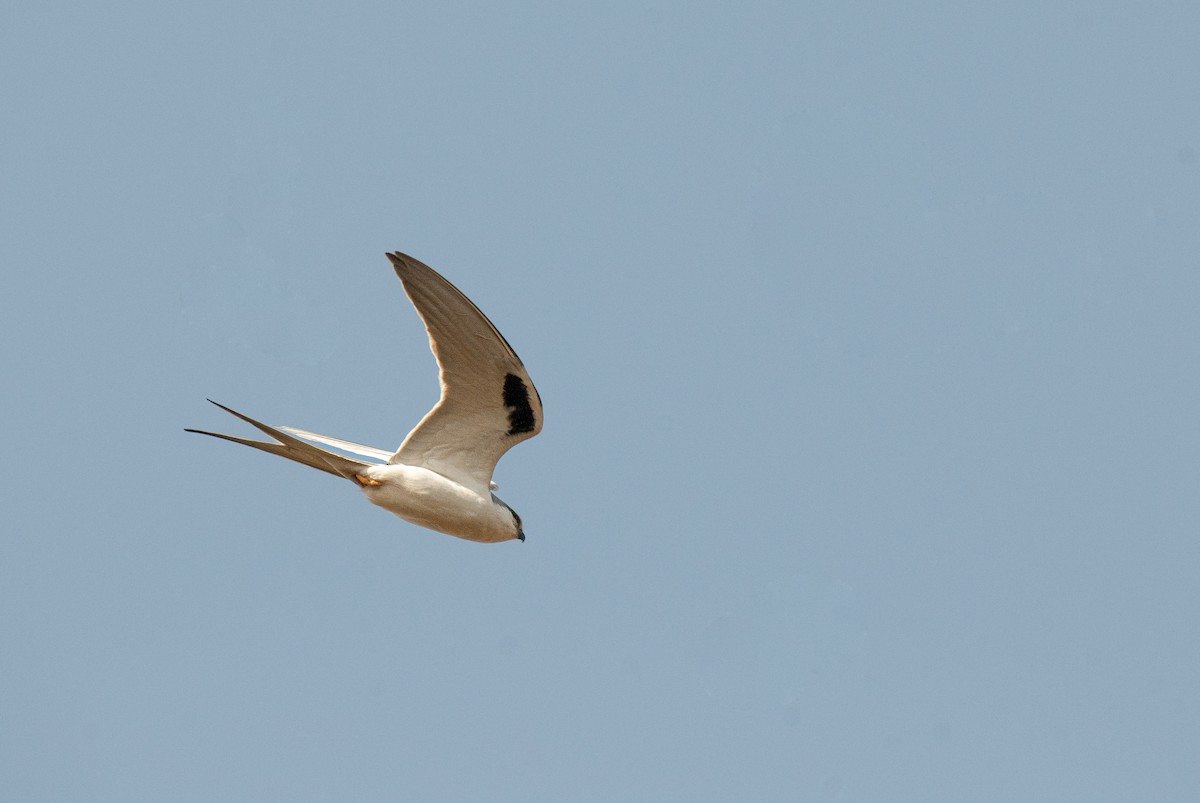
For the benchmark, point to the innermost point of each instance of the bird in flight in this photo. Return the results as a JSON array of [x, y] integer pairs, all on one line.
[[441, 476]]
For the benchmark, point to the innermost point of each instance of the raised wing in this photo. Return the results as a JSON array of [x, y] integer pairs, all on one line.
[[488, 402]]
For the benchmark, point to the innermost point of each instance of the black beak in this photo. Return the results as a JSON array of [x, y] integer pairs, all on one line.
[[521, 536]]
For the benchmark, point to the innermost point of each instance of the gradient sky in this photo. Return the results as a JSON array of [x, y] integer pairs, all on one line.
[[868, 341]]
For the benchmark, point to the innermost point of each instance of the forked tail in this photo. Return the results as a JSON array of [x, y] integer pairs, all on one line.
[[292, 448]]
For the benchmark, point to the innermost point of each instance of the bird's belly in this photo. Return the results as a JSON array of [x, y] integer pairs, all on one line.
[[428, 499]]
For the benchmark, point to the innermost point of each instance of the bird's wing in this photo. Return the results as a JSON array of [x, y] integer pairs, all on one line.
[[292, 448], [488, 402]]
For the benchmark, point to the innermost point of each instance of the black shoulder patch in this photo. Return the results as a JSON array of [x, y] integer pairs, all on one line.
[[516, 399]]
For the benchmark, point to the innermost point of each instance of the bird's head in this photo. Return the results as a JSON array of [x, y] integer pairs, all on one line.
[[520, 534], [518, 531]]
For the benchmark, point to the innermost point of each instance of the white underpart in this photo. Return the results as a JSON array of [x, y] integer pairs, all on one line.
[[428, 499]]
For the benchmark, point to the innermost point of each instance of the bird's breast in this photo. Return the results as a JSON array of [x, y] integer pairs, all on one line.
[[431, 500]]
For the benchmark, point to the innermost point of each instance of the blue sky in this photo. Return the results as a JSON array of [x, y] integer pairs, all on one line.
[[868, 345]]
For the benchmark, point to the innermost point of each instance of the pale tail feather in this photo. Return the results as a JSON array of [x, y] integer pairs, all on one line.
[[338, 443]]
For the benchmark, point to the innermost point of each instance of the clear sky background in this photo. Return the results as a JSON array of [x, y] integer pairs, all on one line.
[[868, 340]]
